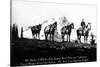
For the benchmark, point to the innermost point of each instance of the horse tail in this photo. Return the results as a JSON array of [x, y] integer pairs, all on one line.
[[45, 29], [45, 32]]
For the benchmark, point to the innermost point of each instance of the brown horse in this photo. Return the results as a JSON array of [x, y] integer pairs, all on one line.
[[66, 30], [83, 32], [50, 30], [36, 31]]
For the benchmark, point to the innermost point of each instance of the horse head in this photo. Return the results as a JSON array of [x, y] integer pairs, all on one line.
[[89, 26], [72, 25], [39, 26], [55, 25]]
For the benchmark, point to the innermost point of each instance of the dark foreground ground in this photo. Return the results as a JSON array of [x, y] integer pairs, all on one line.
[[36, 52]]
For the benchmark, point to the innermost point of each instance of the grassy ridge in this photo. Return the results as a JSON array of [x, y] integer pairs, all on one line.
[[30, 49]]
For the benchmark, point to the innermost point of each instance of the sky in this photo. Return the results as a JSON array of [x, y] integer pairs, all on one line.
[[28, 13]]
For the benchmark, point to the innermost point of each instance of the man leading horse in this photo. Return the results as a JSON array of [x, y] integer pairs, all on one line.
[[83, 26]]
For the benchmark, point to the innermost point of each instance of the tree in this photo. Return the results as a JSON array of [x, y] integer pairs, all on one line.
[[21, 32], [14, 32]]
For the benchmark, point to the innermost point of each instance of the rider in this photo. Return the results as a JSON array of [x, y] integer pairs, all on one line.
[[83, 25]]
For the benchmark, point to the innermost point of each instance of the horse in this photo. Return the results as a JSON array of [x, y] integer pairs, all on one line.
[[36, 31], [50, 30], [66, 30], [83, 32]]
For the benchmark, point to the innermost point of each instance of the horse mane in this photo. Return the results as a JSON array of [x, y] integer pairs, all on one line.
[[51, 26]]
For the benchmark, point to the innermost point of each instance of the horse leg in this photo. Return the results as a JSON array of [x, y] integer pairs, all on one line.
[[39, 35], [69, 38], [84, 39], [36, 36], [53, 37], [45, 36], [62, 37], [49, 37], [32, 36], [77, 37], [80, 38]]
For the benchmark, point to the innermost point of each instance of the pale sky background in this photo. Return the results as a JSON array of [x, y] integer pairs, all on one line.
[[27, 13]]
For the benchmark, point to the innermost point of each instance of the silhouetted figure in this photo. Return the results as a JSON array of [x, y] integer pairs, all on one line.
[[36, 31], [66, 30], [50, 30], [83, 25], [80, 32], [92, 39]]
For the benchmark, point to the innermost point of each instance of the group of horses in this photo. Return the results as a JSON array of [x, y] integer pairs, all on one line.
[[49, 31], [36, 31]]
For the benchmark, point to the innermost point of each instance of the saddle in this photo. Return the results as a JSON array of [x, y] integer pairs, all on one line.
[[81, 31]]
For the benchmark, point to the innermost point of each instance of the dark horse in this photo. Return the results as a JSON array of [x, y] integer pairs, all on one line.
[[36, 31], [83, 32], [50, 30], [66, 30]]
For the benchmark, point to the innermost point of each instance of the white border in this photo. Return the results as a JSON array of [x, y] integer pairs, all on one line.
[[5, 33]]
